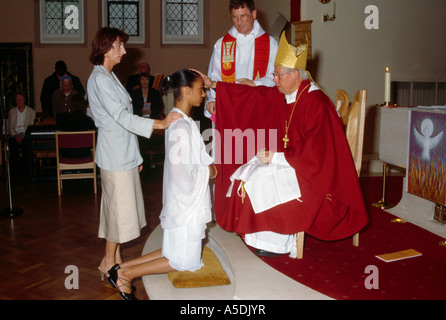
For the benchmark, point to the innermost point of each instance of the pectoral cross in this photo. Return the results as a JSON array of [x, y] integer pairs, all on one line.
[[285, 141]]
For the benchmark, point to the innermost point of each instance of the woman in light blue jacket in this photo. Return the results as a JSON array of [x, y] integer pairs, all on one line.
[[117, 153]]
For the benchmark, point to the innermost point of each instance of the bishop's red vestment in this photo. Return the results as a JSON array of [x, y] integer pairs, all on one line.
[[332, 206]]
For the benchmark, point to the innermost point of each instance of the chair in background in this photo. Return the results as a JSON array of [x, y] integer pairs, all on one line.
[[43, 154], [342, 104], [68, 167], [355, 127], [355, 123]]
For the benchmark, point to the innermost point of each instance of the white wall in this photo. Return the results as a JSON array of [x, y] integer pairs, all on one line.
[[269, 10], [410, 40]]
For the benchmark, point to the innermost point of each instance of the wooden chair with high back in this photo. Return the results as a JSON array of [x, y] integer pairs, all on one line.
[[69, 165], [355, 136], [342, 104]]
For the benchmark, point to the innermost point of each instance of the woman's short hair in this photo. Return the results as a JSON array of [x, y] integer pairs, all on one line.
[[103, 42]]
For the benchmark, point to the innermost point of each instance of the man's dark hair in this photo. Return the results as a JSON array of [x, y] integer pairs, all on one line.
[[20, 93], [237, 4]]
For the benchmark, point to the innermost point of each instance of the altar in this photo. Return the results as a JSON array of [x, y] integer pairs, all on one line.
[[410, 136]]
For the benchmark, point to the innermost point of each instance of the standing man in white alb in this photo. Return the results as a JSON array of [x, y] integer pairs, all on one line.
[[245, 55]]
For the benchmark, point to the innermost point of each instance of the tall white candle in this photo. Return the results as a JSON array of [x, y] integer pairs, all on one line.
[[387, 80]]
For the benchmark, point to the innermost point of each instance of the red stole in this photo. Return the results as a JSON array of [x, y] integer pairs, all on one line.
[[228, 57]]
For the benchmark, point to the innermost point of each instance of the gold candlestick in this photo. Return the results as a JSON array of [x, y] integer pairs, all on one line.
[[383, 204]]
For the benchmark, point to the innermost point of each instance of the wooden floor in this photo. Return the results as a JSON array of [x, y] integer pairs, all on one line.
[[55, 232]]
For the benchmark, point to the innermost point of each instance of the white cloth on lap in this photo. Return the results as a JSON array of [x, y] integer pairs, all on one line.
[[267, 185]]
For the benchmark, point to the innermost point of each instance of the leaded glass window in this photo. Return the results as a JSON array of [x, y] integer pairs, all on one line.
[[127, 15], [182, 17], [183, 21], [61, 21], [124, 15]]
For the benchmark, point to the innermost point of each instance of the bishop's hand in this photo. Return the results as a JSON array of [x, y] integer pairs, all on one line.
[[265, 156], [208, 83]]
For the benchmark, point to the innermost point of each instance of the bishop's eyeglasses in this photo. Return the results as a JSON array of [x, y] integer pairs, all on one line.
[[279, 75]]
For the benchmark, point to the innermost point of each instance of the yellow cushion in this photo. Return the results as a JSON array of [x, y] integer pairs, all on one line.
[[211, 274]]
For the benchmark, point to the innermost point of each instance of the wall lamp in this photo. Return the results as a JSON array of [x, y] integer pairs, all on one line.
[[326, 16]]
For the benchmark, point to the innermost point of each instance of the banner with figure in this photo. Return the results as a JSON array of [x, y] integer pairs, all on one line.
[[426, 170]]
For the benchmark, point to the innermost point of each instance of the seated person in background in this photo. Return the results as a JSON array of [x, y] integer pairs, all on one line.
[[147, 102], [52, 83], [19, 118], [62, 97], [75, 119], [133, 80]]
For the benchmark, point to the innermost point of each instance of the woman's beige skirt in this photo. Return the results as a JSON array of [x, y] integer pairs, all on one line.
[[122, 206]]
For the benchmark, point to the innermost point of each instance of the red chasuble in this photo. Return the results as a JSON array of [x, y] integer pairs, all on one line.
[[332, 205]]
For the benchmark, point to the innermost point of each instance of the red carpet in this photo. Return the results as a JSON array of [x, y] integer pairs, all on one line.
[[338, 269]]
